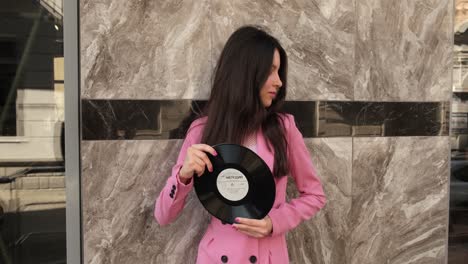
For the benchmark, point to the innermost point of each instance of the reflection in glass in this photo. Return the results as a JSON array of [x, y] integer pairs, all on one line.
[[32, 179], [458, 217]]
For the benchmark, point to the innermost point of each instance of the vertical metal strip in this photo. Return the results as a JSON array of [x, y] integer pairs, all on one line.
[[72, 130]]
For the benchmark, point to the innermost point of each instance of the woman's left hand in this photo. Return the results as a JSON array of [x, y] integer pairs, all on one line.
[[253, 227]]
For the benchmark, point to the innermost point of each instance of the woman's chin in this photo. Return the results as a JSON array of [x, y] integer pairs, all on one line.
[[267, 104]]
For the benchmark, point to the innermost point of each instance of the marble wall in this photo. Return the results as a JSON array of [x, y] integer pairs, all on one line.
[[403, 50], [120, 180], [400, 200], [360, 49], [387, 196]]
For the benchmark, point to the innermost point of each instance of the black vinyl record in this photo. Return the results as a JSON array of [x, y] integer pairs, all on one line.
[[241, 184]]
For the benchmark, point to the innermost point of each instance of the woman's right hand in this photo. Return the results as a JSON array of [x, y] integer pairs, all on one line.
[[196, 161]]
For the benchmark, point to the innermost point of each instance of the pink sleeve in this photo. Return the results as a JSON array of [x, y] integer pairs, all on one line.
[[171, 200], [311, 197]]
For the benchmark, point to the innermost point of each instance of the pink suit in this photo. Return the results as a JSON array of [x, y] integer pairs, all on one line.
[[222, 243]]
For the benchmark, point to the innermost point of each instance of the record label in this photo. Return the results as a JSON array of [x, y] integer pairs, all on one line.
[[232, 184]]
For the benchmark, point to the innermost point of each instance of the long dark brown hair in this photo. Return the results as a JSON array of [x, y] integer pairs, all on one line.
[[234, 108]]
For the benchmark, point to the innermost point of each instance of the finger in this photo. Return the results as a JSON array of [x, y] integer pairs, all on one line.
[[202, 155], [198, 166], [250, 234], [196, 161], [250, 222], [247, 228], [263, 230], [206, 148], [199, 171], [246, 231]]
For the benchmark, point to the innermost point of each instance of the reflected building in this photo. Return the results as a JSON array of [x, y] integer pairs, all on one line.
[[458, 218], [32, 178]]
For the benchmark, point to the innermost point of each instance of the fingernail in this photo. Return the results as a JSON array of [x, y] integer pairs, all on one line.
[[237, 219], [211, 170], [216, 153]]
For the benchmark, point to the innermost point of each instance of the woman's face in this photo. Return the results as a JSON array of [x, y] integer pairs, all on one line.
[[272, 85]]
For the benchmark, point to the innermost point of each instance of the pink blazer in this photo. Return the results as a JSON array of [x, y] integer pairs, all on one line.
[[216, 245]]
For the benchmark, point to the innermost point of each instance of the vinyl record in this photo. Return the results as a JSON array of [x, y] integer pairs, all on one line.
[[241, 184]]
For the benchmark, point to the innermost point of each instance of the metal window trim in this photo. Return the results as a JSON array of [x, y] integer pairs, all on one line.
[[72, 131]]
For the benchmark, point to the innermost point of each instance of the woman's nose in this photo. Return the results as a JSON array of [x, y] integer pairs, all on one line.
[[278, 81]]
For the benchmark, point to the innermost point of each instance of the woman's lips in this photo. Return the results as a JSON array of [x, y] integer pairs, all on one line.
[[272, 94]]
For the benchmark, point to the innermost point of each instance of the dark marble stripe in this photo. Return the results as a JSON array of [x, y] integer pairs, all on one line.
[[169, 119], [383, 119]]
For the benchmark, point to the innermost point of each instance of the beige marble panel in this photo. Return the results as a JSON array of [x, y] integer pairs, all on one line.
[[403, 50], [145, 49], [324, 238], [318, 36], [399, 208], [120, 181]]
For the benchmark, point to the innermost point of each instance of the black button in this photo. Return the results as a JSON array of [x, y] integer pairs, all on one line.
[[171, 195], [253, 259], [172, 192], [173, 187], [224, 259]]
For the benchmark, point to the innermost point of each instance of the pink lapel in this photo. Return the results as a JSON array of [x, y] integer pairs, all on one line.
[[262, 150]]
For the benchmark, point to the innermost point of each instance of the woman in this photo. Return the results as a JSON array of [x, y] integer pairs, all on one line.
[[248, 89]]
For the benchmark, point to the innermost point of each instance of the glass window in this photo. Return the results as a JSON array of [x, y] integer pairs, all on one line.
[[32, 178], [458, 217]]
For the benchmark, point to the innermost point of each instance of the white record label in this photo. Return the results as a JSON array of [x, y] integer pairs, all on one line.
[[232, 184]]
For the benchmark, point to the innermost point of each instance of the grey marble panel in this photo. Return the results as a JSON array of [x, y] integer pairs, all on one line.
[[120, 180], [318, 36], [324, 238], [387, 203], [403, 50], [400, 190], [145, 49]]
